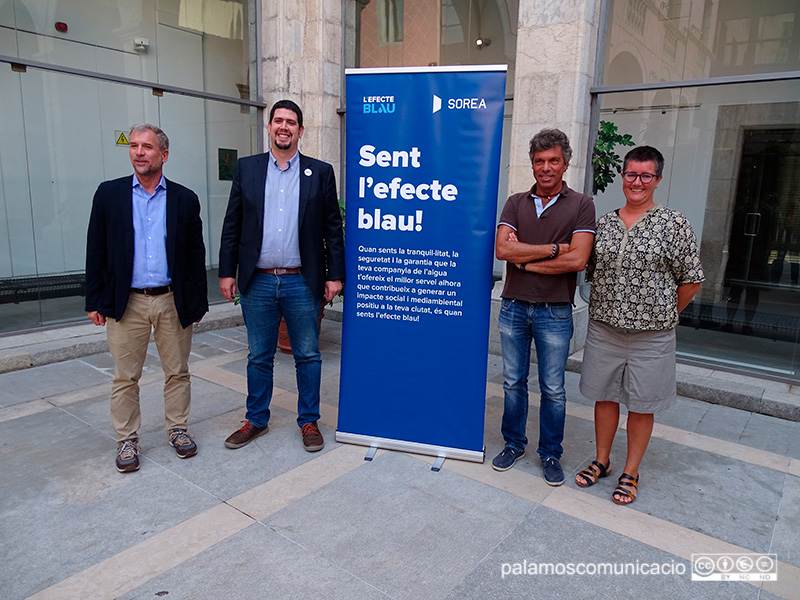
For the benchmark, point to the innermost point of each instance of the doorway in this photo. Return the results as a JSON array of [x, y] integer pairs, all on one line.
[[758, 308]]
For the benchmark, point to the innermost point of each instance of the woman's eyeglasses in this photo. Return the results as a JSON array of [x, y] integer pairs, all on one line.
[[630, 177]]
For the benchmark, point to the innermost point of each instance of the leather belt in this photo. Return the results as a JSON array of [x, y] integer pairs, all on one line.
[[543, 303], [153, 291], [279, 271]]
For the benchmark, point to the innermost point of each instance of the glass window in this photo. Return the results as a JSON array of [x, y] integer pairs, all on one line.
[[202, 45], [64, 134], [413, 33], [699, 39], [61, 139], [733, 168], [390, 21]]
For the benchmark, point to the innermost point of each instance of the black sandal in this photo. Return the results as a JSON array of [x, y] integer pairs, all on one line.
[[591, 475], [630, 484]]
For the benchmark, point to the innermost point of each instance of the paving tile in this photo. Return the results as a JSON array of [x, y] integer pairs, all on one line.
[[211, 339], [793, 450], [389, 529], [225, 473], [769, 433], [494, 367], [404, 529], [257, 564], [685, 414], [48, 380], [36, 446], [723, 422], [552, 538], [236, 334], [726, 499], [785, 543], [208, 400], [70, 508]]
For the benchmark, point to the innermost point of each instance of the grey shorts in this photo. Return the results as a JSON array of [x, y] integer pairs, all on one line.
[[632, 367]]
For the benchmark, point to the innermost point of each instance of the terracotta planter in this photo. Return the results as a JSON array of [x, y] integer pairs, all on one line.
[[284, 343]]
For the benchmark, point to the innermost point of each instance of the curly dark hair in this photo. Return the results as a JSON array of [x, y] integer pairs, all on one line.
[[550, 138]]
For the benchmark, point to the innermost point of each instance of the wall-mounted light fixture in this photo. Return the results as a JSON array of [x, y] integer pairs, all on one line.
[[482, 42]]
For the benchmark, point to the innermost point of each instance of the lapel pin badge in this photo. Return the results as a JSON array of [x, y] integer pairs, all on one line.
[[307, 172]]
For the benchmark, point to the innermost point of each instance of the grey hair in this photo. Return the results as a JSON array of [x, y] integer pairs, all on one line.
[[550, 138], [163, 140]]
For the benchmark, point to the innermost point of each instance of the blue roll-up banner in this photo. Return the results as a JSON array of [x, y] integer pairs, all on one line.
[[423, 165]]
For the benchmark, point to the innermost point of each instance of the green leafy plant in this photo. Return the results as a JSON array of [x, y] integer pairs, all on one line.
[[606, 162]]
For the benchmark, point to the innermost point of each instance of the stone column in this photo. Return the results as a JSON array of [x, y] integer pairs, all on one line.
[[556, 46], [302, 46]]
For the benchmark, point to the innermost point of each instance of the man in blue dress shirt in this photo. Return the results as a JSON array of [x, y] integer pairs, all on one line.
[[282, 242], [145, 270]]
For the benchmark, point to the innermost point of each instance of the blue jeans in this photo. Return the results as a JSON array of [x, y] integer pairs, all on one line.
[[267, 299], [549, 327]]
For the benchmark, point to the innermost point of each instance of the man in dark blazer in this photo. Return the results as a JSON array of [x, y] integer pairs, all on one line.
[[145, 269], [283, 232]]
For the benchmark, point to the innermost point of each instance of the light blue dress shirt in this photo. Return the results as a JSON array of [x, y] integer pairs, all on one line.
[[280, 242], [150, 236]]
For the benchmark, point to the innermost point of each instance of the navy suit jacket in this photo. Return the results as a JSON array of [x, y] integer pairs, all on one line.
[[319, 229], [109, 251]]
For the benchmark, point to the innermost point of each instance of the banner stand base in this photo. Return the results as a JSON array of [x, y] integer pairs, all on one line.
[[437, 466], [371, 453], [441, 452]]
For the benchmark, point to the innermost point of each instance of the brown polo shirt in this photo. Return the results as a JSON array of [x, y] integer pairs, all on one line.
[[569, 213]]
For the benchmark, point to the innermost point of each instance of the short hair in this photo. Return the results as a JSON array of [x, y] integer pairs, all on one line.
[[550, 138], [163, 140], [645, 154], [288, 105]]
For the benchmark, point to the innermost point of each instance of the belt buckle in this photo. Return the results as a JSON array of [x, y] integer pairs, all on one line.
[[146, 291], [281, 271]]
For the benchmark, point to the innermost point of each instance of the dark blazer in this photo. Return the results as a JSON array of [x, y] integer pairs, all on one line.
[[109, 251], [320, 223]]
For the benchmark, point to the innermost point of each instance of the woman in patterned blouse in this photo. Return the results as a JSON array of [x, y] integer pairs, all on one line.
[[645, 268]]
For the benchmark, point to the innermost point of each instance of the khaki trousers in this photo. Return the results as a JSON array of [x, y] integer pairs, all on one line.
[[128, 339]]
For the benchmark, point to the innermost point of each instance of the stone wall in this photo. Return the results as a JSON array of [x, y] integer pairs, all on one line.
[[556, 46], [301, 48]]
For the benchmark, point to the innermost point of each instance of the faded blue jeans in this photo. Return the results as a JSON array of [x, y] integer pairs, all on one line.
[[549, 327], [267, 299]]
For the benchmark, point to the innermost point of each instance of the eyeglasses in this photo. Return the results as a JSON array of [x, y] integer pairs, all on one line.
[[630, 177]]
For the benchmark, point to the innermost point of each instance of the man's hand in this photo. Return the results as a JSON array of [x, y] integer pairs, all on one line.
[[227, 286], [332, 288], [96, 318]]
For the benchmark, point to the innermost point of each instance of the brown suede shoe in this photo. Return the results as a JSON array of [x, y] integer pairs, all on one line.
[[312, 438], [246, 434]]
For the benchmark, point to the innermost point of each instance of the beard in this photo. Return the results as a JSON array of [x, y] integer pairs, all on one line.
[[144, 170]]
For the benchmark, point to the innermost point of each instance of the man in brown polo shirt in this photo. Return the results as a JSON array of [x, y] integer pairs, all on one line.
[[546, 235]]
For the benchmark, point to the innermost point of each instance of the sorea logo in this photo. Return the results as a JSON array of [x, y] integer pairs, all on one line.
[[466, 103], [459, 103]]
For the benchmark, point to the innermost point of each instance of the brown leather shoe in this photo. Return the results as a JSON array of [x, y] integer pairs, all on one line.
[[246, 434], [312, 438]]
